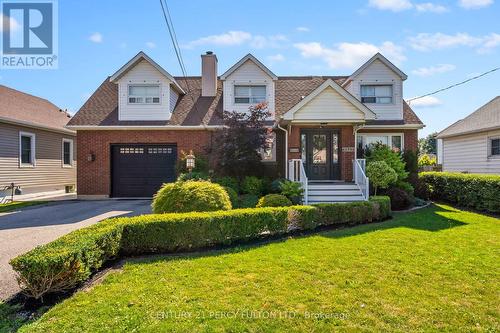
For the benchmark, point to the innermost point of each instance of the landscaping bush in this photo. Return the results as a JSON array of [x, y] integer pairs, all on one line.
[[247, 201], [195, 175], [274, 200], [381, 175], [276, 185], [233, 196], [190, 196], [292, 190], [69, 261], [229, 182], [411, 166], [252, 185], [481, 192], [400, 199], [380, 152]]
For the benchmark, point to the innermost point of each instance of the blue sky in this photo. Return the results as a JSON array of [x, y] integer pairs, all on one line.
[[435, 42]]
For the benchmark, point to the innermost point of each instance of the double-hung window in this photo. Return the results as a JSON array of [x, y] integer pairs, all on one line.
[[26, 149], [376, 94], [494, 147], [394, 141], [144, 94], [67, 152], [249, 94]]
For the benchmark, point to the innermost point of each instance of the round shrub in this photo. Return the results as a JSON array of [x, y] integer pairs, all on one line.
[[399, 198], [381, 174], [252, 185], [276, 185], [248, 201], [190, 196], [274, 200], [233, 196]]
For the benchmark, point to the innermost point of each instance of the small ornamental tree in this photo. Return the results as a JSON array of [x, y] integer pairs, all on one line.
[[381, 175], [381, 152], [236, 147]]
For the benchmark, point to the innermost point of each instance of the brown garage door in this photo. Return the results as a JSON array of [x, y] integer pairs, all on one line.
[[139, 170]]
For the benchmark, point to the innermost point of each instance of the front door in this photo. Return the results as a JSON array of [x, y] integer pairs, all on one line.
[[321, 152]]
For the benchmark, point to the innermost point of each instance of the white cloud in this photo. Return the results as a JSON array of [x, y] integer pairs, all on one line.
[[229, 38], [96, 37], [436, 41], [430, 7], [350, 55], [235, 38], [426, 102], [151, 45], [14, 25], [432, 70], [474, 4], [303, 29], [392, 5], [276, 58]]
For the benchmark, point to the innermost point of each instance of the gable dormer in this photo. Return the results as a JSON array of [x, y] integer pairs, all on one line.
[[145, 90], [379, 85], [247, 83]]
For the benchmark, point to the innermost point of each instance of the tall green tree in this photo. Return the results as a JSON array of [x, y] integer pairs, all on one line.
[[428, 145]]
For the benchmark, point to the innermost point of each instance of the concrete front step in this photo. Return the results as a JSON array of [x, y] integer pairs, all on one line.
[[334, 192], [336, 199], [332, 187]]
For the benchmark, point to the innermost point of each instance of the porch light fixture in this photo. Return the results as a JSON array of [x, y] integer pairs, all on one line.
[[190, 161], [91, 157]]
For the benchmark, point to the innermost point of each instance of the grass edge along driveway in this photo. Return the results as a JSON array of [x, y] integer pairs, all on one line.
[[433, 269]]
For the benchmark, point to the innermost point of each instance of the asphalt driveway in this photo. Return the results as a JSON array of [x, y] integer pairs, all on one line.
[[23, 230]]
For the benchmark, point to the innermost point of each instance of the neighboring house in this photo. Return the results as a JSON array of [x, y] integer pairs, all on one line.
[[473, 143], [36, 151], [132, 129]]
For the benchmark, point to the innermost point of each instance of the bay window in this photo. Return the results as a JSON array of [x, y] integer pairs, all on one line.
[[249, 94], [376, 94]]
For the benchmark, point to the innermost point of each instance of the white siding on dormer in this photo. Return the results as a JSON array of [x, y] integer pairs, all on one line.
[[144, 73], [247, 74], [174, 96], [378, 73], [329, 105]]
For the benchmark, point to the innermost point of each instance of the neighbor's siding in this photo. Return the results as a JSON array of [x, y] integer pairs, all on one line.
[[329, 105], [247, 74], [174, 96], [379, 73], [144, 73], [469, 153], [48, 172]]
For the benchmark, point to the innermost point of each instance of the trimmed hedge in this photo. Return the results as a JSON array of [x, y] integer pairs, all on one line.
[[480, 192], [70, 260]]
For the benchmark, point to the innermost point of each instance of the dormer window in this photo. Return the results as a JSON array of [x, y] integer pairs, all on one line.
[[249, 94], [376, 94], [144, 94]]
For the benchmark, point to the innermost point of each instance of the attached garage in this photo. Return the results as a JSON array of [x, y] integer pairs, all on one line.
[[139, 170]]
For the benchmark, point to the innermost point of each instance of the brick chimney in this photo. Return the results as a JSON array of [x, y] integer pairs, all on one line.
[[208, 74]]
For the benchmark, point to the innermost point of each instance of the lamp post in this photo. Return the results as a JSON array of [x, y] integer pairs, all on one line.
[[190, 161]]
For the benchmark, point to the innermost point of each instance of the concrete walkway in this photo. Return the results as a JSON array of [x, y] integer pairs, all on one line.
[[21, 231]]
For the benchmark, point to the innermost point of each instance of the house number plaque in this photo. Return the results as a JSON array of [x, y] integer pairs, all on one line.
[[348, 149]]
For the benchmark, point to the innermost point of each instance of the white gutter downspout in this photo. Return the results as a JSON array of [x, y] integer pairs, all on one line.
[[286, 148]]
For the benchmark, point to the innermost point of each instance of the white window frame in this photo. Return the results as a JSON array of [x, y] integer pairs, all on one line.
[[144, 85], [361, 85], [249, 96], [388, 135], [32, 163], [490, 139], [71, 156]]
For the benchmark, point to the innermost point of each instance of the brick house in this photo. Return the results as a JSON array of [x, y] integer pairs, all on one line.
[[132, 130]]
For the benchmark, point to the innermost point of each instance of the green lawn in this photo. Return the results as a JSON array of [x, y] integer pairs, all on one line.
[[432, 270], [7, 207]]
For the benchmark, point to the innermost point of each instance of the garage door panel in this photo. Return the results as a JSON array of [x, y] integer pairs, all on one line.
[[139, 170]]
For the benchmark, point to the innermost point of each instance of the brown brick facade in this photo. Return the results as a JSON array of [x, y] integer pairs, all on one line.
[[94, 177]]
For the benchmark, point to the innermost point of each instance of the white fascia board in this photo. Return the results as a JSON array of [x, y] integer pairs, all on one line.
[[242, 61], [384, 60], [143, 128], [36, 126]]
